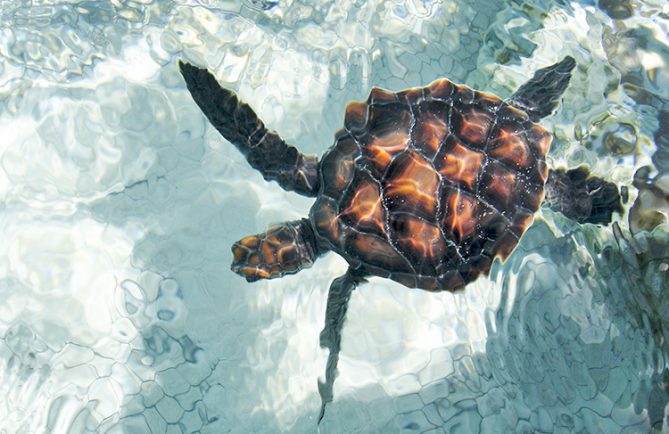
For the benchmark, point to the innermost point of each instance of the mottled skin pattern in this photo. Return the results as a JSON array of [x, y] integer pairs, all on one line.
[[280, 250], [427, 186]]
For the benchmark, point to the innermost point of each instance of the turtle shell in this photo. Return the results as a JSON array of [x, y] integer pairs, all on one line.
[[427, 186]]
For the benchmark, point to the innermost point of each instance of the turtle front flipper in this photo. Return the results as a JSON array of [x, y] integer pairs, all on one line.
[[582, 197], [335, 314], [539, 96], [239, 124], [283, 249]]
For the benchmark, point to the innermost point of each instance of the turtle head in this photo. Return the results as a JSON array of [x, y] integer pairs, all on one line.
[[283, 249], [539, 96]]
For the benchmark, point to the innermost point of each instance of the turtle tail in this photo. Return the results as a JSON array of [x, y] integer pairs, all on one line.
[[335, 314], [238, 123], [582, 197], [541, 94]]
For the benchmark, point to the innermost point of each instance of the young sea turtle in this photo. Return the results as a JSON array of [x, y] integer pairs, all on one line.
[[425, 186]]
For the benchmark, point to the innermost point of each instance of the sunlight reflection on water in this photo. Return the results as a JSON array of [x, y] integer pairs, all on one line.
[[119, 203]]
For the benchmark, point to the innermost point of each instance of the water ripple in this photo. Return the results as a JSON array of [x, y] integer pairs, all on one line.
[[118, 204]]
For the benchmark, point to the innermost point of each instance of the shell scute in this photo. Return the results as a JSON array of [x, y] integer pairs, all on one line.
[[473, 126], [383, 150], [376, 251], [510, 146], [498, 184], [464, 95], [462, 214], [337, 168], [417, 237], [450, 278], [459, 164], [380, 96], [326, 221], [476, 266], [387, 119], [441, 90], [411, 186], [388, 136], [492, 227], [509, 240], [508, 112], [540, 138], [421, 242], [412, 96], [431, 126], [410, 280], [356, 117], [509, 190], [487, 101], [522, 220], [362, 206]]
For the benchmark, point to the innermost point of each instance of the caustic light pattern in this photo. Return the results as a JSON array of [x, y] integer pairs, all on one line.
[[118, 205]]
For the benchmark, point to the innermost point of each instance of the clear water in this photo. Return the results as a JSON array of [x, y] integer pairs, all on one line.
[[118, 204]]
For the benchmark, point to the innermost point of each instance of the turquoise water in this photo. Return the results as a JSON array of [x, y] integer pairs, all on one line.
[[119, 204]]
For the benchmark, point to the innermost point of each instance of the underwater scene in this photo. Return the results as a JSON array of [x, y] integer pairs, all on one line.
[[458, 271]]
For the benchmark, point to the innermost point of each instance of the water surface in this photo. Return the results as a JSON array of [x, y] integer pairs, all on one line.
[[118, 205]]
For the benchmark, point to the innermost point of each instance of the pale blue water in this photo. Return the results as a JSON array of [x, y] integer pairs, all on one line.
[[119, 204]]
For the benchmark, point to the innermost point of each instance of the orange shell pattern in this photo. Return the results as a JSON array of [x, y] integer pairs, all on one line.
[[427, 186]]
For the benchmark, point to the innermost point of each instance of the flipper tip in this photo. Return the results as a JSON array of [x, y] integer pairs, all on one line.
[[186, 67], [567, 64]]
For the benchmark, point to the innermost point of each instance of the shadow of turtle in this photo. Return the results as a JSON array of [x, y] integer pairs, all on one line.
[[196, 328], [569, 349]]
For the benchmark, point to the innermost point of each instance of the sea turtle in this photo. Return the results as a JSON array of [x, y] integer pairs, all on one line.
[[426, 186]]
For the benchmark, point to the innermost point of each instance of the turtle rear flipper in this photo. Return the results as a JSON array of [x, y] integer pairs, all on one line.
[[541, 94], [582, 197], [239, 124], [335, 314], [283, 249]]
